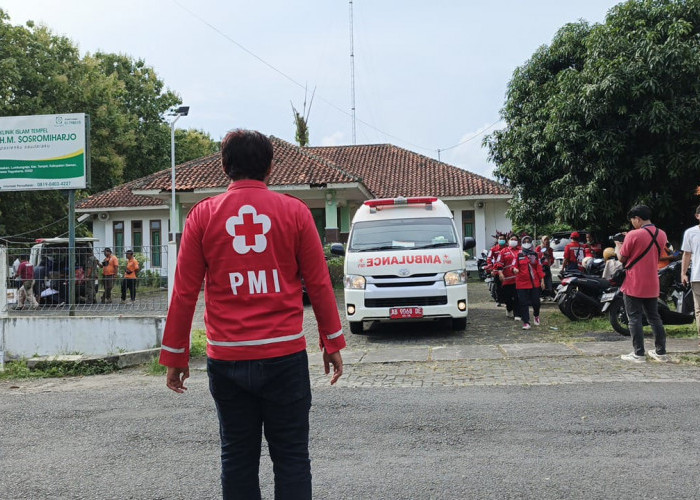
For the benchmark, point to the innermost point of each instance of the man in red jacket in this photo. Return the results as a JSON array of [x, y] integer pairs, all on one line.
[[253, 246]]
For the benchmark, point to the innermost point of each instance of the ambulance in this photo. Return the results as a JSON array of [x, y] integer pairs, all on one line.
[[404, 262]]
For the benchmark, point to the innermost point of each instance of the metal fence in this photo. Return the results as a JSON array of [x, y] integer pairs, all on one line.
[[45, 285]]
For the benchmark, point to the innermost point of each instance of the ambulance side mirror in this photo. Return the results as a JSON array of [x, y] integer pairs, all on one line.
[[338, 249], [469, 242]]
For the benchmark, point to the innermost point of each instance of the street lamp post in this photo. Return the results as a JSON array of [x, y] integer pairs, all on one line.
[[174, 226]]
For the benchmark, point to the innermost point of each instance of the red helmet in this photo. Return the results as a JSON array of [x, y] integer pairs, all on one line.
[[575, 235]]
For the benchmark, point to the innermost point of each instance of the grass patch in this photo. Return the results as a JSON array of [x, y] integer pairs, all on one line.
[[553, 318], [54, 369], [155, 368], [690, 359], [199, 344]]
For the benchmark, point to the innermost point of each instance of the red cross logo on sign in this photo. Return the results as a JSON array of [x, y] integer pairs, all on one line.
[[248, 230]]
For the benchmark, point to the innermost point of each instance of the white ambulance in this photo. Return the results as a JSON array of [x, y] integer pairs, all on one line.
[[404, 262]]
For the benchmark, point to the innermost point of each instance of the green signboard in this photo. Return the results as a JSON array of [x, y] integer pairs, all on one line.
[[43, 152]]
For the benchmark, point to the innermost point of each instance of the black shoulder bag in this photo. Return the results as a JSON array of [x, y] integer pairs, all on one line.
[[619, 276]]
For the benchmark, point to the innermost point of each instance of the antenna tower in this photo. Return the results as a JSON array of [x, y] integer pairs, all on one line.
[[352, 78]]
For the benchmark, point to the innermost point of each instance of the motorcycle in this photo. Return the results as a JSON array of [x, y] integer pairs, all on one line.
[[579, 296], [614, 307], [481, 266]]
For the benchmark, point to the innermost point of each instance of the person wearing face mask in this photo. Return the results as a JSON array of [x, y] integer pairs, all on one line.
[[505, 266], [546, 255], [528, 282], [491, 259]]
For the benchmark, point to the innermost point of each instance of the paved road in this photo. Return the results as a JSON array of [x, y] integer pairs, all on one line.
[[486, 413]]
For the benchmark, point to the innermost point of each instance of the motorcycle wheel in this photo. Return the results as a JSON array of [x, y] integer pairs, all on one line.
[[575, 310], [618, 318]]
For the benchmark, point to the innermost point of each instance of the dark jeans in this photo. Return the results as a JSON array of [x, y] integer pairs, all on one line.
[[274, 395], [529, 297], [635, 307], [131, 285], [548, 288], [510, 298], [108, 284]]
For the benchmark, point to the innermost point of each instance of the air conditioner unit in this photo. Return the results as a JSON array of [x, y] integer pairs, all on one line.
[[103, 216]]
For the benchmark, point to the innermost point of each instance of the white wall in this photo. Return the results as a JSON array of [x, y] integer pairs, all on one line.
[[104, 231], [487, 219], [94, 336]]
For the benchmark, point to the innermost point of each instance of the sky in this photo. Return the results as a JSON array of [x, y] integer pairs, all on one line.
[[430, 77]]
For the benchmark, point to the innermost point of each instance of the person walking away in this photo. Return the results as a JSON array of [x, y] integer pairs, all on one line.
[[92, 267], [252, 246], [110, 267], [574, 253], [130, 274], [25, 272], [640, 253], [529, 280], [491, 259], [504, 266], [546, 255], [691, 254]]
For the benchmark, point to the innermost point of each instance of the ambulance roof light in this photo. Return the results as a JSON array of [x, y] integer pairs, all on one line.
[[418, 200]]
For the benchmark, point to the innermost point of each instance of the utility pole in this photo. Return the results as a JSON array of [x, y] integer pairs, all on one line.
[[352, 78]]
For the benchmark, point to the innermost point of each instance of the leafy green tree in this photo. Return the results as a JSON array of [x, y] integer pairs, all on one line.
[[42, 73], [192, 144], [605, 117]]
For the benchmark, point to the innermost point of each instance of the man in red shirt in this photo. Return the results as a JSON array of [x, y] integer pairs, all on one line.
[[640, 254], [253, 246], [574, 253]]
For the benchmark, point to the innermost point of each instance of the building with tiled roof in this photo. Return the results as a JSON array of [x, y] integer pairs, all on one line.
[[333, 181]]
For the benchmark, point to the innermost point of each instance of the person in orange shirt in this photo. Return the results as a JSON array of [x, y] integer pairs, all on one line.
[[110, 266], [129, 281]]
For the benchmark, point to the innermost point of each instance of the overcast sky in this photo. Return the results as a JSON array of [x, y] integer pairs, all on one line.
[[428, 74]]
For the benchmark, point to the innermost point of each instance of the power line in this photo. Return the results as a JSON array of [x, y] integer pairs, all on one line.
[[292, 80], [481, 132]]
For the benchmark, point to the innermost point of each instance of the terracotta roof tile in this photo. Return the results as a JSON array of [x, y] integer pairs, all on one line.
[[386, 170], [389, 171]]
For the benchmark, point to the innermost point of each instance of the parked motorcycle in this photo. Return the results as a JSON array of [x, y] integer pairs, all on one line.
[[614, 307], [579, 296], [481, 266]]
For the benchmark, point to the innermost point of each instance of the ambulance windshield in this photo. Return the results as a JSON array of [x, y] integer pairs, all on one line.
[[402, 234]]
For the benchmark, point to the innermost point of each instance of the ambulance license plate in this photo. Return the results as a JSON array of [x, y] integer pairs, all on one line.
[[405, 312]]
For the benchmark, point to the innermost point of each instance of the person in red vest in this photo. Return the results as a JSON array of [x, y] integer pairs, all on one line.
[[546, 255], [492, 258], [529, 280], [252, 246], [504, 267], [595, 248], [574, 253]]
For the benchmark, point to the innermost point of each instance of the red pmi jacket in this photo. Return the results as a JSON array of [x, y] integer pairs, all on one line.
[[252, 246], [506, 262], [530, 273]]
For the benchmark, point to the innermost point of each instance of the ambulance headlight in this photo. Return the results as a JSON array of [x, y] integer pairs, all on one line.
[[354, 282], [458, 277]]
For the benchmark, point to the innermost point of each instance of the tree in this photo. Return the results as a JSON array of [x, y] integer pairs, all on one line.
[[301, 121], [41, 73], [192, 144], [606, 117]]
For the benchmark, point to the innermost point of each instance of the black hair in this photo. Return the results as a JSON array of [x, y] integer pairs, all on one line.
[[641, 211], [246, 154]]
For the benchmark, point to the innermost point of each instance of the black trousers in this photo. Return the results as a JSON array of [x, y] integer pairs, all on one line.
[[271, 394], [131, 286]]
